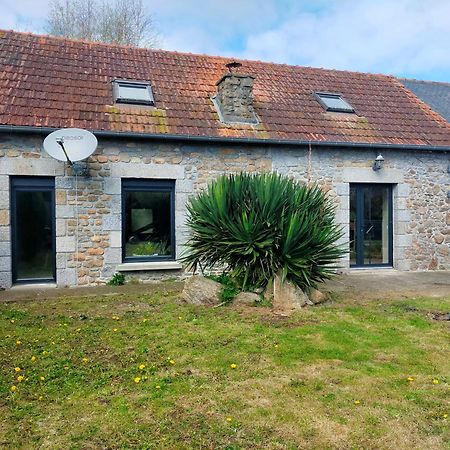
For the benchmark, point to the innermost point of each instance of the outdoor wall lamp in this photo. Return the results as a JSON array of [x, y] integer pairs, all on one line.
[[378, 163]]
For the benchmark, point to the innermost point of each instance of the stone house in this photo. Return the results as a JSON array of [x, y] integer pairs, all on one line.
[[168, 122]]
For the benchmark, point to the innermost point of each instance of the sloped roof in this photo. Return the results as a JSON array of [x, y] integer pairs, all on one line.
[[56, 82], [436, 94]]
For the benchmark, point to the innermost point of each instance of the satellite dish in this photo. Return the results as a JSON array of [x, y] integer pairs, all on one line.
[[70, 144]]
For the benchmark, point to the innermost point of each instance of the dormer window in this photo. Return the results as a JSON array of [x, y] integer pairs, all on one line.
[[333, 102], [133, 92]]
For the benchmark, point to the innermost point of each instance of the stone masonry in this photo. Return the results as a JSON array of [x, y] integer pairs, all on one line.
[[234, 99], [88, 209]]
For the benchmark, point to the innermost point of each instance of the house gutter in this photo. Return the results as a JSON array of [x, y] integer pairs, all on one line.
[[44, 131]]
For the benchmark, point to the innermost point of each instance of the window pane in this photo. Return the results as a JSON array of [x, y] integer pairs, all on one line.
[[34, 231], [376, 225], [335, 102], [133, 92], [148, 224]]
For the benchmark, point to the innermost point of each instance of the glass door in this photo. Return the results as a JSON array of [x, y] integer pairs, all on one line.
[[370, 225], [33, 229]]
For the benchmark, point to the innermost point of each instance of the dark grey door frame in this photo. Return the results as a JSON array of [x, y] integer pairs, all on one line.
[[31, 184], [359, 228]]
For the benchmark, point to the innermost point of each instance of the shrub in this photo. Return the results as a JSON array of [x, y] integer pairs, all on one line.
[[257, 226], [229, 288], [118, 279]]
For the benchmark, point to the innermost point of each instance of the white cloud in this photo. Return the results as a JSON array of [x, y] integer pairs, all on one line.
[[400, 37]]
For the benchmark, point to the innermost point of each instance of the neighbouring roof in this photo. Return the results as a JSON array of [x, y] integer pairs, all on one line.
[[56, 82], [436, 94]]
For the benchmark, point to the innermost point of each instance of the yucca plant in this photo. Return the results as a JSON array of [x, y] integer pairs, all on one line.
[[260, 225]]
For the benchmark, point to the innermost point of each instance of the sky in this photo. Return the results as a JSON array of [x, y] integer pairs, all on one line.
[[407, 38]]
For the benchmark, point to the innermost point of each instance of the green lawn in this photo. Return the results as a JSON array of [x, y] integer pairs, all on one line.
[[141, 371]]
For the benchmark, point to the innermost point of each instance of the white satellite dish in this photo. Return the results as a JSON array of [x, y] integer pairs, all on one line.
[[70, 144]]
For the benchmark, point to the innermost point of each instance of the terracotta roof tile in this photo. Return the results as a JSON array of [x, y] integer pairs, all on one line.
[[56, 82]]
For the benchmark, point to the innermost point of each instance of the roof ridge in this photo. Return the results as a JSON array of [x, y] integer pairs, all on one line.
[[176, 52]]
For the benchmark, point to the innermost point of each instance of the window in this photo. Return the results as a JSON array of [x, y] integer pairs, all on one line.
[[133, 92], [333, 102], [148, 222]]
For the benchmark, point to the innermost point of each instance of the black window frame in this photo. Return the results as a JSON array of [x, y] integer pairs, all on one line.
[[31, 184], [359, 199], [148, 185], [320, 95], [130, 101]]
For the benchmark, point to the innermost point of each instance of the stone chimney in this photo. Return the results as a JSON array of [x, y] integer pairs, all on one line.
[[234, 98]]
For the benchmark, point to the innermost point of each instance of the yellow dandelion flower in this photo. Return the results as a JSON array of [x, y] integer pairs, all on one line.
[[17, 369], [33, 358], [410, 379], [20, 378], [40, 397], [435, 381], [13, 388], [172, 362], [144, 320], [444, 416], [229, 419], [180, 318], [142, 366], [276, 345], [233, 366], [12, 320], [42, 378], [115, 317], [85, 360], [45, 352], [115, 329], [158, 386], [62, 339], [137, 379], [18, 342], [78, 330], [357, 402]]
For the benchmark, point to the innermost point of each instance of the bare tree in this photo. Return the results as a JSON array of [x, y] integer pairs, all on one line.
[[123, 22]]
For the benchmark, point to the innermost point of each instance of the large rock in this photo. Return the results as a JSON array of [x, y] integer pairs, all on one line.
[[287, 297], [199, 290], [246, 298], [317, 297]]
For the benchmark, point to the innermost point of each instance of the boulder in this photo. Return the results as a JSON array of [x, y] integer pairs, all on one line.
[[317, 297], [287, 297], [199, 290], [246, 298]]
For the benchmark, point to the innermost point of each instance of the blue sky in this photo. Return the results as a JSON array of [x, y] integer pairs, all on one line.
[[409, 38]]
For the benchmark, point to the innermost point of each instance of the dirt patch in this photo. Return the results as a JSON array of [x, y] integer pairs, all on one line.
[[439, 316]]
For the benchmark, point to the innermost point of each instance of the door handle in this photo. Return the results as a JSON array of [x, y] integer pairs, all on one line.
[[369, 230]]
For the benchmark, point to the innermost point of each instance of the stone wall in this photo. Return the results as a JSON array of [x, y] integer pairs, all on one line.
[[88, 210]]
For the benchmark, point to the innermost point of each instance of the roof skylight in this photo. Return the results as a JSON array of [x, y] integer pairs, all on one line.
[[133, 92], [333, 102]]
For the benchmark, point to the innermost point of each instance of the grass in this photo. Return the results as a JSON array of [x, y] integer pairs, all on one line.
[[142, 371]]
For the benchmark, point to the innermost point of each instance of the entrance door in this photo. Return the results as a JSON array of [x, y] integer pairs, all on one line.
[[33, 229], [370, 225]]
